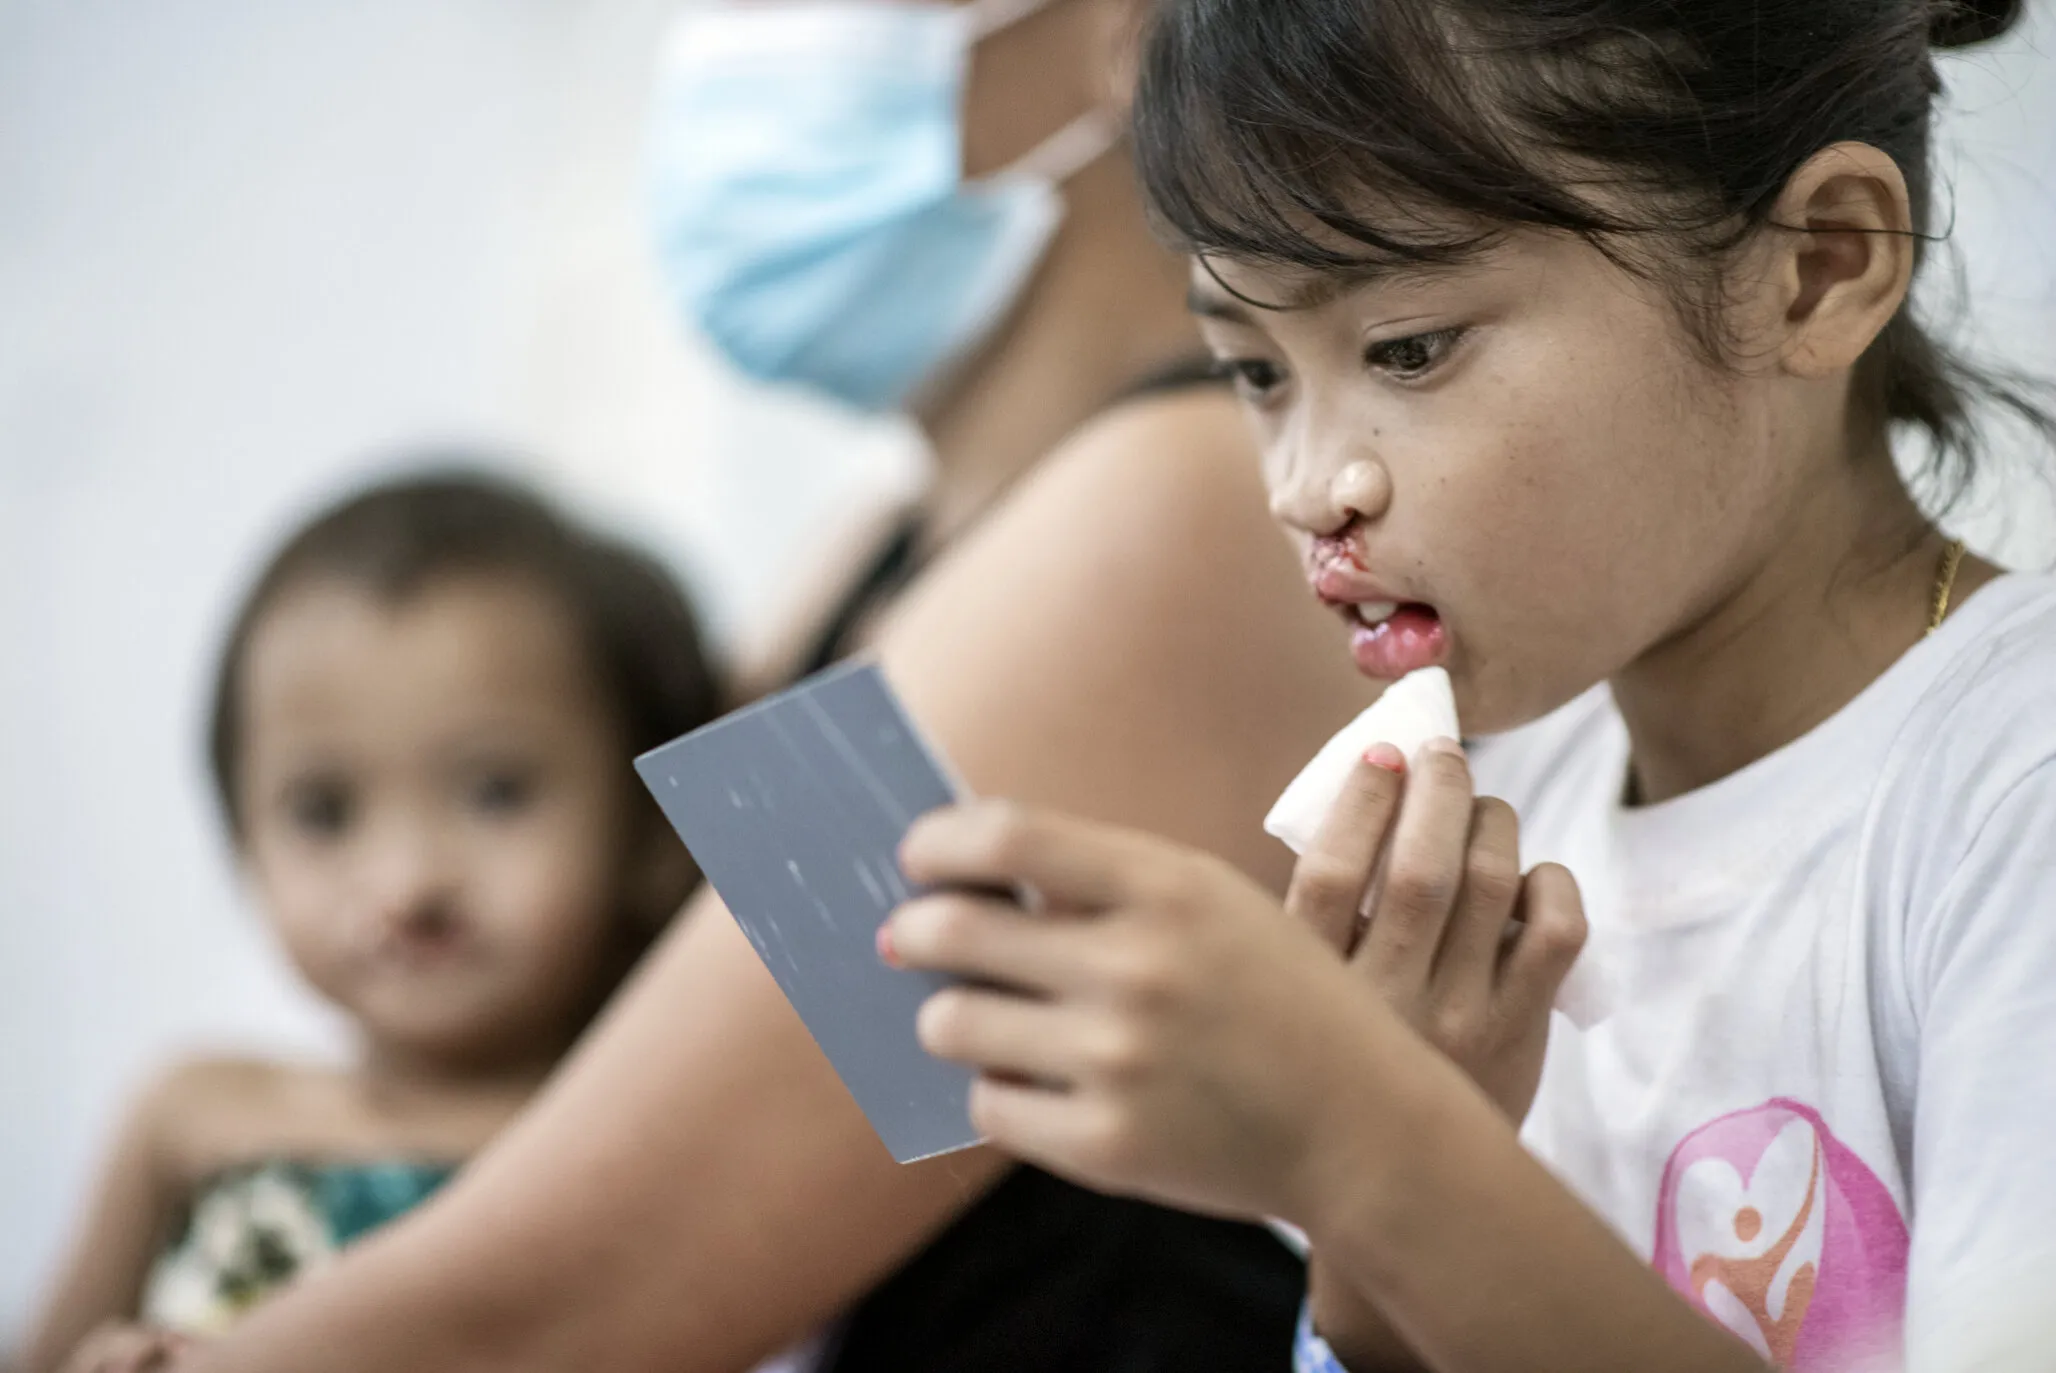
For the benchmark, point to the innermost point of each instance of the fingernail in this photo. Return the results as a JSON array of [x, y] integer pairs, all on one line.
[[1443, 744], [1386, 756], [887, 954]]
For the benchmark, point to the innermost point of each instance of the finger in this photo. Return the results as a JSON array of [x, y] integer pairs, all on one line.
[[170, 1349], [1552, 932], [1064, 1132], [1468, 962], [994, 1032], [1331, 879], [1423, 871], [1069, 863], [83, 1357], [111, 1349], [107, 1344], [984, 939], [135, 1352], [154, 1358]]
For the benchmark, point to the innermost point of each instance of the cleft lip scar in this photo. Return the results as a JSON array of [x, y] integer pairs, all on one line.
[[1336, 552]]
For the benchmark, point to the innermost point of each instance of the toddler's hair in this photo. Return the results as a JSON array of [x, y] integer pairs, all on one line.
[[395, 538], [1346, 135]]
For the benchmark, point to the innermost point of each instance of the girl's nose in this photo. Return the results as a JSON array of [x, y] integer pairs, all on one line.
[[412, 889], [1324, 498], [425, 924]]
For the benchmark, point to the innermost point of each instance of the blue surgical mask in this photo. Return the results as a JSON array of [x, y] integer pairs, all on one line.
[[811, 213]]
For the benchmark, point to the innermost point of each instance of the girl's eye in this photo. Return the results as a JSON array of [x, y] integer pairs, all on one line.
[[1414, 356], [321, 808], [505, 791], [1255, 378]]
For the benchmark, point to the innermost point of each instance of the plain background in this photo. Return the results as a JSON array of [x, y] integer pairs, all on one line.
[[249, 251]]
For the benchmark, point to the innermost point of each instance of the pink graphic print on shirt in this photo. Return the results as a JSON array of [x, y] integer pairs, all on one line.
[[1775, 1229]]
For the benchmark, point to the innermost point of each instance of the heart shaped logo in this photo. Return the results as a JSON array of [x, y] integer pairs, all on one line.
[[1778, 1232], [1752, 1244]]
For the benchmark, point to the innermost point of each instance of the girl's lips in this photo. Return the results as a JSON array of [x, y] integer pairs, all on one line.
[[1389, 635], [1340, 584], [1409, 639], [423, 943]]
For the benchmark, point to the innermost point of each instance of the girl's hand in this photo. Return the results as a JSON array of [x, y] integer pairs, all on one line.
[[119, 1347], [1467, 950], [1158, 1027], [1464, 948]]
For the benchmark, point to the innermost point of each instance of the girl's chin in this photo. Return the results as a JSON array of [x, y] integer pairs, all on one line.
[[1502, 705]]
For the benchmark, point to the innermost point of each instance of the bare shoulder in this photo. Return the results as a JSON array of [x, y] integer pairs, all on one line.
[[189, 1090], [1148, 501], [203, 1112], [1130, 637], [214, 1082], [1161, 469]]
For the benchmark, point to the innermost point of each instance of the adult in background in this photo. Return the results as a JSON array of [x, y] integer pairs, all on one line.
[[696, 1191]]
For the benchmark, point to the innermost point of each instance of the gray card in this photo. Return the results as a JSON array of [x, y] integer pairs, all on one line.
[[794, 809]]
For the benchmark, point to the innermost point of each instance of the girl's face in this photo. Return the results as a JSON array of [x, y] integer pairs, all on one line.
[[1518, 468], [436, 813]]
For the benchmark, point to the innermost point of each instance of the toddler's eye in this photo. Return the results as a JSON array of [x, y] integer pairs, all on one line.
[[322, 808], [1255, 378], [502, 792], [1413, 356]]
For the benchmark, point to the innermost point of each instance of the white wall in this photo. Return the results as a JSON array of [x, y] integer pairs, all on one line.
[[246, 244], [1997, 165]]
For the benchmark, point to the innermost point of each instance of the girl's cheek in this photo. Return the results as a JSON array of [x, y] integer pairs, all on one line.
[[551, 886]]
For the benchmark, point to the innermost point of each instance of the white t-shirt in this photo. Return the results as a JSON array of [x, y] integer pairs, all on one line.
[[1823, 1103]]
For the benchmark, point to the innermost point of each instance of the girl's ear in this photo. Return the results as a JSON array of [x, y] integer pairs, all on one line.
[[1120, 24], [1843, 265]]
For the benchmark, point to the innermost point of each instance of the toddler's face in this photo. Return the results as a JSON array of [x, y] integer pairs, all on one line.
[[436, 812], [1519, 468]]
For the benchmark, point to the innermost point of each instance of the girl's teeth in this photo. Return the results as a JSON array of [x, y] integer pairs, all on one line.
[[1376, 612]]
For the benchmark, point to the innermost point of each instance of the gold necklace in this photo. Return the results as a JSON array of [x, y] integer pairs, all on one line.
[[1945, 582], [1938, 607]]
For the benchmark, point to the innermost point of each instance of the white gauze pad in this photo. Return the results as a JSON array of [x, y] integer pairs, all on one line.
[[1418, 707]]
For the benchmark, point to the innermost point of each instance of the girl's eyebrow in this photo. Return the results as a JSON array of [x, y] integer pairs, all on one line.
[[1210, 298], [1209, 304]]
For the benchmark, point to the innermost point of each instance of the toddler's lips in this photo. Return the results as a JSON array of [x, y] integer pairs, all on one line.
[[424, 945], [1389, 639]]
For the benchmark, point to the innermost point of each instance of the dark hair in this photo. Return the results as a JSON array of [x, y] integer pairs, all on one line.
[[1343, 134], [399, 536]]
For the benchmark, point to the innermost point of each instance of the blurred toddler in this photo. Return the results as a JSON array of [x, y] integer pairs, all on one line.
[[422, 732]]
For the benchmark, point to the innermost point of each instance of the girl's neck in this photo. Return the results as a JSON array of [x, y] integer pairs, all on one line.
[[1107, 306], [403, 1079], [1844, 592]]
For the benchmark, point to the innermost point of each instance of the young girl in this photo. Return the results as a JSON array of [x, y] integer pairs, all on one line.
[[1574, 333], [422, 733]]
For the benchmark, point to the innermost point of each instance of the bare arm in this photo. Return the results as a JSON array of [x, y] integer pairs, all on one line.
[[1483, 1260], [102, 1276], [1128, 638]]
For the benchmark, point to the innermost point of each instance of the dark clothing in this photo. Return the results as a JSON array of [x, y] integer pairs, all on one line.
[[1045, 1277], [894, 565]]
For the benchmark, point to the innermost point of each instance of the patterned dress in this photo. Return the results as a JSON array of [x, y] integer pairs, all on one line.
[[254, 1228]]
